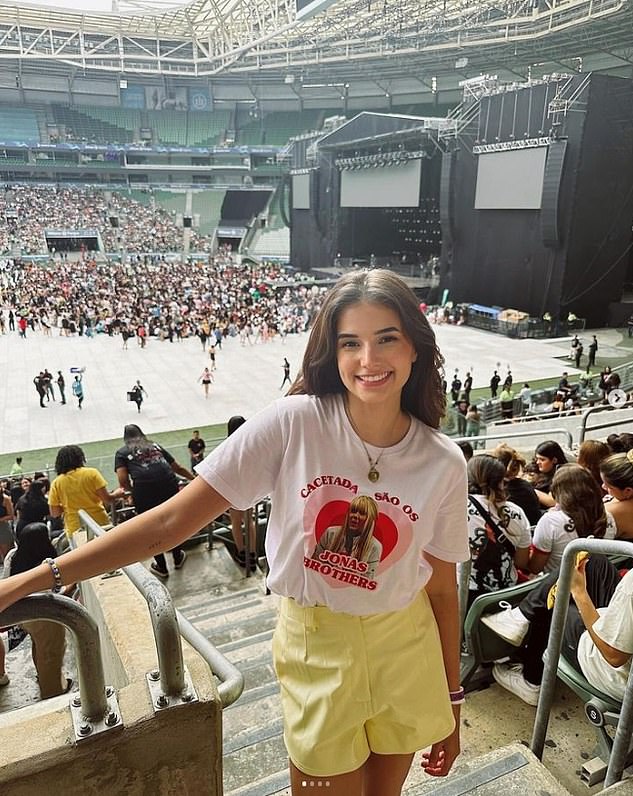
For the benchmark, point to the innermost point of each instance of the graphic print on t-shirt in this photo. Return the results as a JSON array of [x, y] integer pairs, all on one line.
[[351, 539]]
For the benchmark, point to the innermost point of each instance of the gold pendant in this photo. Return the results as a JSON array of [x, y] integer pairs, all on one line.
[[373, 474]]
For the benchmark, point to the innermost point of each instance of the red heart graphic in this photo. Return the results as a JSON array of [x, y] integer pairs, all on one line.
[[333, 513]]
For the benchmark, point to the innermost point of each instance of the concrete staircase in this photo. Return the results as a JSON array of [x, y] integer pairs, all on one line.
[[237, 616], [240, 622]]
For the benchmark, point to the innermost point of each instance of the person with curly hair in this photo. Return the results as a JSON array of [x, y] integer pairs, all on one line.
[[79, 487]]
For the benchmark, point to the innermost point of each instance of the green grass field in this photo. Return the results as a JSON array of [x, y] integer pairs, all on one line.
[[101, 454]]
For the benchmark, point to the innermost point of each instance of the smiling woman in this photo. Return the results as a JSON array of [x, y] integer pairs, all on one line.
[[366, 648]]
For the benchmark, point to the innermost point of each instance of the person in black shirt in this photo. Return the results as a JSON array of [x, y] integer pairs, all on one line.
[[286, 367], [494, 384], [61, 385], [519, 490], [196, 447], [149, 472]]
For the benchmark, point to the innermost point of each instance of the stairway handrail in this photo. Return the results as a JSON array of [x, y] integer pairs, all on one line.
[[85, 631], [168, 625]]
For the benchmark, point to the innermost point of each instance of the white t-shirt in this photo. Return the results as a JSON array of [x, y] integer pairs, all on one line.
[[615, 626], [303, 452], [510, 517], [555, 530]]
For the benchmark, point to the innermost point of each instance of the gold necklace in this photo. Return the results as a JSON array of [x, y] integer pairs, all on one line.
[[373, 473]]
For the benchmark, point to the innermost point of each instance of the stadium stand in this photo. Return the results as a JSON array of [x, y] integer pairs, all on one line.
[[19, 124], [208, 205], [276, 127], [97, 125], [272, 243]]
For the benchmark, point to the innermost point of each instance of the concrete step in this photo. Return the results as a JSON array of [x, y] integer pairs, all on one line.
[[220, 596], [275, 785], [259, 768], [511, 771]]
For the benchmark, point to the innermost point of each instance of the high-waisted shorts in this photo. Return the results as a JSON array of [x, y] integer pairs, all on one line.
[[352, 685]]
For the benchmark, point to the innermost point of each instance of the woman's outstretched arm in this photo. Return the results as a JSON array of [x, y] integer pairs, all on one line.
[[155, 531]]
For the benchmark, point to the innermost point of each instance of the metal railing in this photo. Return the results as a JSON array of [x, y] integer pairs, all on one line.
[[625, 723], [85, 633], [505, 436], [612, 423], [168, 624]]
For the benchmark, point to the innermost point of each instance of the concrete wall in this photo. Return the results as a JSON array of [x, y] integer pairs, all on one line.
[[176, 751]]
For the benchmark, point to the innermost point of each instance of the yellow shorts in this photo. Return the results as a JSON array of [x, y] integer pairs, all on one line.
[[352, 685]]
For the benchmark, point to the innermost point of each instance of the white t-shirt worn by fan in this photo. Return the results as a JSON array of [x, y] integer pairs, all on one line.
[[303, 452]]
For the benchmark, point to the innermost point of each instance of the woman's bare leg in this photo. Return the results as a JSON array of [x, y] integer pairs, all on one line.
[[381, 775], [384, 775], [350, 784]]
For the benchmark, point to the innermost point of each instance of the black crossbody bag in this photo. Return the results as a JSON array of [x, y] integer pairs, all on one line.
[[496, 550]]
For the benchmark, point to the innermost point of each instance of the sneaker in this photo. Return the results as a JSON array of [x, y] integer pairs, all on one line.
[[510, 625], [4, 680], [161, 573], [510, 677], [183, 557]]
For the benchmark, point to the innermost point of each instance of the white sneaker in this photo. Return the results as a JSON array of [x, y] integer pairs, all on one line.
[[510, 677], [510, 625]]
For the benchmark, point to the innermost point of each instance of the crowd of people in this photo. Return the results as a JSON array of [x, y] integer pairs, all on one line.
[[31, 210], [369, 397], [521, 517], [151, 298]]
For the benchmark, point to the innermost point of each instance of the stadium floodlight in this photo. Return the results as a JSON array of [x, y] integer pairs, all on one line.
[[308, 8]]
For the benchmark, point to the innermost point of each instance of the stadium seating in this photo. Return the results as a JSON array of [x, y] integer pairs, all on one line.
[[273, 243], [181, 128], [275, 128], [19, 124], [88, 124], [208, 205]]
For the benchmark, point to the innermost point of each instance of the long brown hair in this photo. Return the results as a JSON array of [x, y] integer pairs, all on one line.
[[485, 477], [617, 470], [579, 496], [510, 459], [591, 454], [422, 395]]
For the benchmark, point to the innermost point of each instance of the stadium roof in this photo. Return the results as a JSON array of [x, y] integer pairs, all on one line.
[[350, 39]]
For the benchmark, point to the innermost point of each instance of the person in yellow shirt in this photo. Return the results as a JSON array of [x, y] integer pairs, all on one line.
[[79, 487]]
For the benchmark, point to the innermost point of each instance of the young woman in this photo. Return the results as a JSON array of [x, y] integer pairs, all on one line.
[[493, 521], [591, 454], [579, 512], [368, 667], [547, 457], [78, 487], [148, 471], [617, 478], [31, 507], [206, 378], [518, 489]]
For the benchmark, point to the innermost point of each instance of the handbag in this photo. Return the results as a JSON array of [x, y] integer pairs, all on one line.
[[493, 556], [15, 636]]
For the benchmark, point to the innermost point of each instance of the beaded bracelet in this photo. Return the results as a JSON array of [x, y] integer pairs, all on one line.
[[457, 697], [57, 575]]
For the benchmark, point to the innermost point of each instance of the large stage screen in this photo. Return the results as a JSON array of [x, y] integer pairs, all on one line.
[[510, 180], [387, 186], [301, 191]]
